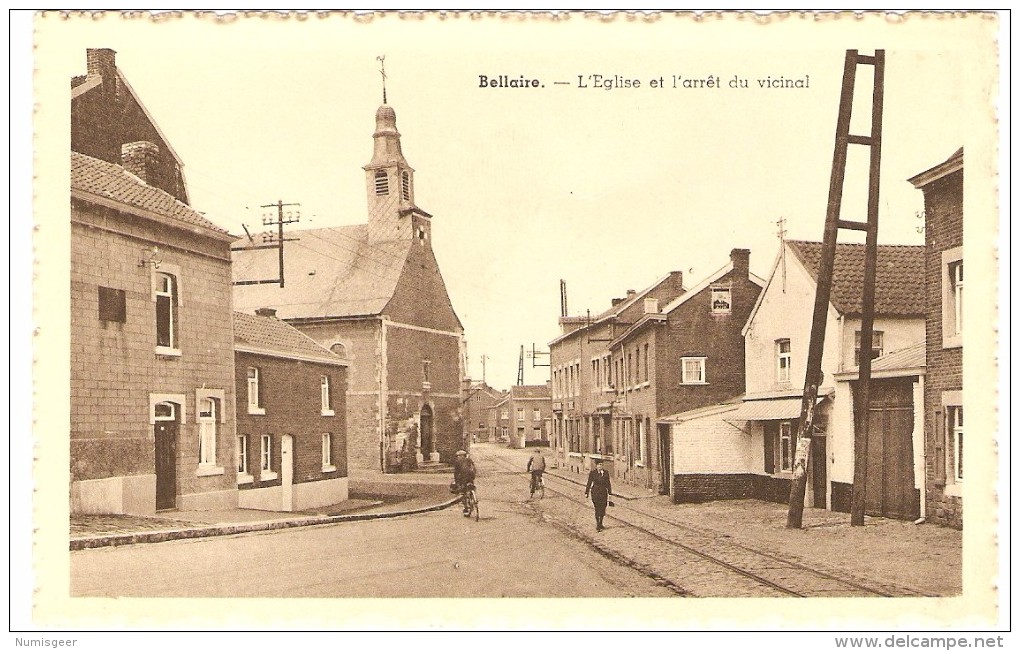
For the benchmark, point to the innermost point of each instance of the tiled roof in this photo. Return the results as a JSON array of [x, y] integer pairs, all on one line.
[[270, 335], [899, 277], [327, 272], [531, 391], [110, 181]]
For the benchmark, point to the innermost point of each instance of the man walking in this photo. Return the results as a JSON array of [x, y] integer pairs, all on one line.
[[599, 487]]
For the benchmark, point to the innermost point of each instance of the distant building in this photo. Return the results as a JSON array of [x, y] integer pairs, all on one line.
[[529, 410], [291, 446], [152, 364], [478, 400], [942, 186], [373, 294]]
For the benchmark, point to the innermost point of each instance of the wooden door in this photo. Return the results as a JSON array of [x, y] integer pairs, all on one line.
[[166, 464], [287, 473], [890, 486], [665, 467]]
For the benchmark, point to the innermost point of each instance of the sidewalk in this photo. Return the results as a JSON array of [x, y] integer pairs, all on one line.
[[373, 495]]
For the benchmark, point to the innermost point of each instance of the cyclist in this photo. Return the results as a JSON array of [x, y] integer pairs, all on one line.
[[463, 476], [536, 465]]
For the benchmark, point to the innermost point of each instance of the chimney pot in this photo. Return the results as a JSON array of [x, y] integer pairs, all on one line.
[[141, 159], [266, 311]]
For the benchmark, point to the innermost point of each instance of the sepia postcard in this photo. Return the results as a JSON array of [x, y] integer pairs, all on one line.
[[517, 321]]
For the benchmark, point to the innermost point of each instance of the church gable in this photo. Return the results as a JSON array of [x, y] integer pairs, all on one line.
[[420, 297]]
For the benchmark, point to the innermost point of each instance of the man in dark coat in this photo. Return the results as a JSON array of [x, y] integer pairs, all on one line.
[[463, 474], [599, 487]]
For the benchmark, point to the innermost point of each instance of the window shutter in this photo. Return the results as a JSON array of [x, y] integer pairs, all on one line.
[[939, 461], [770, 447]]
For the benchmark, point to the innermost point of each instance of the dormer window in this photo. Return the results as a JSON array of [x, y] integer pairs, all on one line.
[[405, 186], [382, 183]]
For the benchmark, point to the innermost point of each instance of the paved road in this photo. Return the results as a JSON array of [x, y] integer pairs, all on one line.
[[513, 551]]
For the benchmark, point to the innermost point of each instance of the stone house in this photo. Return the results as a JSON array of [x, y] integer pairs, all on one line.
[[529, 411], [151, 395], [478, 400]]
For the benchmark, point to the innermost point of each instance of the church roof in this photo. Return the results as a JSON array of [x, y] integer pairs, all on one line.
[[328, 272]]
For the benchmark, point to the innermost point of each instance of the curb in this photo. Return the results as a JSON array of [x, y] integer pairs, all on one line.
[[231, 529]]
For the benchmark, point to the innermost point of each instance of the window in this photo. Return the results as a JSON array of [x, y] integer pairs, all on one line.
[[955, 430], [165, 411], [641, 442], [405, 186], [327, 452], [952, 298], [242, 457], [504, 414], [786, 446], [207, 432], [112, 305], [382, 183], [339, 350], [536, 415], [637, 366], [325, 398], [646, 363], [721, 299], [783, 360], [254, 395], [520, 413], [693, 369], [876, 345], [267, 457], [166, 311]]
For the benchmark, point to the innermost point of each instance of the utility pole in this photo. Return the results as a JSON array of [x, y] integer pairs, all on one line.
[[781, 234], [272, 240], [520, 368], [813, 375], [563, 298], [484, 358]]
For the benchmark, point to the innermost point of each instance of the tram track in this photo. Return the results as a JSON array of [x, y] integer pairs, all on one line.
[[703, 554]]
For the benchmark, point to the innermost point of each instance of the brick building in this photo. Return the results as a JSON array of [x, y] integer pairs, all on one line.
[[152, 398], [676, 357], [582, 374], [291, 445], [942, 186], [479, 398], [373, 294]]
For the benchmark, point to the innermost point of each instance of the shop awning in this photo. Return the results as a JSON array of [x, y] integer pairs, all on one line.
[[773, 409]]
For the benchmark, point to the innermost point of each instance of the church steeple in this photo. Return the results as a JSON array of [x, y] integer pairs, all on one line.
[[389, 182]]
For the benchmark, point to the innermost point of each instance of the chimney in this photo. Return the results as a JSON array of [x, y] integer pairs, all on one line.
[[266, 311], [741, 260], [141, 159], [630, 293], [617, 301], [675, 285], [101, 62]]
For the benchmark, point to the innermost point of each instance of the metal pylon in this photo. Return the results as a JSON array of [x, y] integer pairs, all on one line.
[[833, 223]]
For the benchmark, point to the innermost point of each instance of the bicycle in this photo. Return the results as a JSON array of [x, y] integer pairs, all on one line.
[[471, 501], [537, 486]]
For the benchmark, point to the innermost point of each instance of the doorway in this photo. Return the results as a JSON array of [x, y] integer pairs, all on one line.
[[890, 486], [664, 460], [287, 473], [166, 429]]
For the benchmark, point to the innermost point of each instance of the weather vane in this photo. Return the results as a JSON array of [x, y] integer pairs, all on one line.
[[382, 71]]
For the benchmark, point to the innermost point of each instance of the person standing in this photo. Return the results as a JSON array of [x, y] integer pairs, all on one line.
[[599, 487]]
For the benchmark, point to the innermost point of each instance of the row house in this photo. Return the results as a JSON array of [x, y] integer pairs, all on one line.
[[582, 376], [291, 445], [746, 448], [942, 186], [151, 357], [479, 399], [681, 356], [373, 294]]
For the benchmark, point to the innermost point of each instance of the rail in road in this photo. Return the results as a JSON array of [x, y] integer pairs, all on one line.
[[697, 562]]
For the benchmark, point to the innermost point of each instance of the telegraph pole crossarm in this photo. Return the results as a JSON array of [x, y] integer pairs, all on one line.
[[813, 375], [280, 220]]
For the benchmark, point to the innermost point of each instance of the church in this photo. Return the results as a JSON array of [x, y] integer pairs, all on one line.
[[373, 294]]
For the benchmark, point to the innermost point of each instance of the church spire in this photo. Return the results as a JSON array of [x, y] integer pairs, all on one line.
[[382, 71]]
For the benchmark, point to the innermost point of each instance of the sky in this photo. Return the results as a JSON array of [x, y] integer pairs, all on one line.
[[606, 189]]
